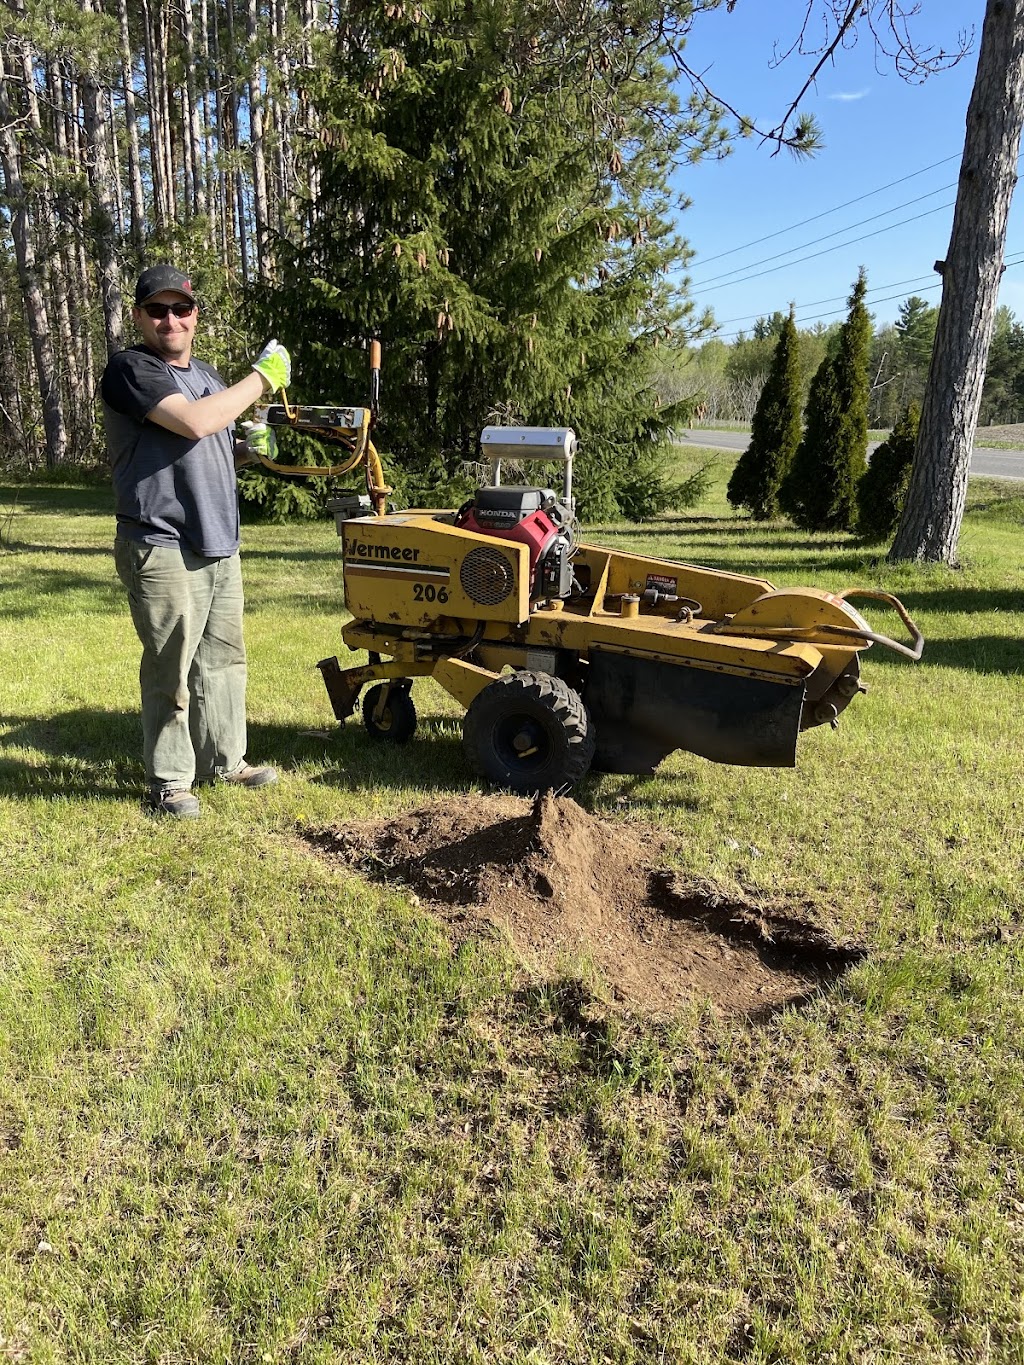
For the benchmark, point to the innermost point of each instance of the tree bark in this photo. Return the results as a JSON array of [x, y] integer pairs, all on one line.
[[36, 312], [310, 116], [260, 210], [283, 179], [137, 231], [100, 173], [81, 290], [168, 142], [232, 112], [207, 125], [195, 128], [934, 509], [72, 323], [12, 434], [156, 166]]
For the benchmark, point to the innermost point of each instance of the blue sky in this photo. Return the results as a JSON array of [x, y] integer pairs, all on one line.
[[877, 129]]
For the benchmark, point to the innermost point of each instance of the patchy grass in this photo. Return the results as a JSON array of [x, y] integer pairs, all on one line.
[[253, 1108]]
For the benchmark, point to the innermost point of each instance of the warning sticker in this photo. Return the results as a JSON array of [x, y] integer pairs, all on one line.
[[663, 583]]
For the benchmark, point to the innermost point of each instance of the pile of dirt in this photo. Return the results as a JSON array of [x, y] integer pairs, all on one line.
[[565, 886]]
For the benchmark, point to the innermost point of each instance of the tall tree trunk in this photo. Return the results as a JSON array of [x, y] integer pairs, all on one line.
[[100, 173], [36, 312], [310, 117], [80, 287], [157, 169], [207, 126], [138, 204], [194, 131], [72, 323], [283, 207], [224, 212], [118, 182], [166, 98], [232, 110], [259, 161], [55, 231], [12, 435], [934, 509]]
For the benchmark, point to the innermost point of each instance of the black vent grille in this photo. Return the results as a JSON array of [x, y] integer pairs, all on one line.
[[487, 576]]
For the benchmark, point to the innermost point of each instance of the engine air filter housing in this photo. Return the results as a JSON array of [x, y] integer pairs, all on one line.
[[528, 443]]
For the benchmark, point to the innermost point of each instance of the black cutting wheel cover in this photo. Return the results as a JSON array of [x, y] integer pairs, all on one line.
[[528, 732]]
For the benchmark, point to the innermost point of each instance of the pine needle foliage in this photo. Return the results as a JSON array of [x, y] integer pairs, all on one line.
[[495, 206], [882, 491], [774, 433], [819, 492]]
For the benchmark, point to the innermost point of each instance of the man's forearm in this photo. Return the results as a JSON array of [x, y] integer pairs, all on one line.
[[203, 416]]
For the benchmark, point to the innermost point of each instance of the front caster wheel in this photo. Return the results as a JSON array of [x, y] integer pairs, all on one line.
[[528, 732], [397, 722]]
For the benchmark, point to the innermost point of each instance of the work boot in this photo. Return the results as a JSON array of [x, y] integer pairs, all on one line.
[[176, 801], [245, 776]]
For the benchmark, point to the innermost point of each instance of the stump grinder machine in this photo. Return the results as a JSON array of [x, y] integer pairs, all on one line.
[[569, 656]]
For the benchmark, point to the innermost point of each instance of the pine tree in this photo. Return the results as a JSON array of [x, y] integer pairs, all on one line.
[[775, 431], [819, 493], [971, 271], [494, 204], [882, 491]]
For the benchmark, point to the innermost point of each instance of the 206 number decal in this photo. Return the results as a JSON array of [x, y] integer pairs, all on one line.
[[426, 592]]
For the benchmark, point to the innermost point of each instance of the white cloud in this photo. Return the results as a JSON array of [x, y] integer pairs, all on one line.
[[848, 96]]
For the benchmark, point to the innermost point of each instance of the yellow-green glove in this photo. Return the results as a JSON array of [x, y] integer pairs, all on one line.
[[275, 365], [260, 440]]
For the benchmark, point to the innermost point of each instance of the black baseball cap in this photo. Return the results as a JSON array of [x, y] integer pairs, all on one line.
[[158, 278]]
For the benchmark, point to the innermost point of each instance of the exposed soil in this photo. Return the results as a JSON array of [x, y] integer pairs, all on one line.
[[565, 886], [1012, 434]]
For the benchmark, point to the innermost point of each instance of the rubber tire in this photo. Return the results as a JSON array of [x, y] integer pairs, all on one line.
[[542, 708], [399, 721]]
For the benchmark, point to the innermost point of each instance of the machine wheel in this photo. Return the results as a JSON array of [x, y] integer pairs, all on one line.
[[398, 723], [528, 732]]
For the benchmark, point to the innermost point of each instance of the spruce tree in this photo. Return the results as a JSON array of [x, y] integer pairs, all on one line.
[[504, 224], [775, 431], [882, 491], [819, 493]]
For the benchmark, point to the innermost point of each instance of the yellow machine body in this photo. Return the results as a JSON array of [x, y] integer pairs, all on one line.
[[720, 664], [569, 655]]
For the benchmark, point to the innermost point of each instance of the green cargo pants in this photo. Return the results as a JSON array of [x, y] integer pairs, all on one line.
[[187, 611]]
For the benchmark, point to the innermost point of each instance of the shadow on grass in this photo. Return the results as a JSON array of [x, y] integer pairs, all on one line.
[[74, 501], [88, 752], [970, 601], [92, 752], [980, 654]]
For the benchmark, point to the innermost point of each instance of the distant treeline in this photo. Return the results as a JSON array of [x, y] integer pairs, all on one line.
[[726, 379]]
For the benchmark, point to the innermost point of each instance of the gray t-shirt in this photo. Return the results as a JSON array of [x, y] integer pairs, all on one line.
[[169, 489]]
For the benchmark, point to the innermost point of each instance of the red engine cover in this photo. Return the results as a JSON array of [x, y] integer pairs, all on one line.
[[536, 531]]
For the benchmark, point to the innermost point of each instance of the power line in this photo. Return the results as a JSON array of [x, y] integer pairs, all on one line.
[[814, 303], [703, 284], [838, 247], [825, 212], [837, 312]]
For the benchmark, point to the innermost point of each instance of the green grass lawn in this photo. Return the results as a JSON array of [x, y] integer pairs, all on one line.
[[254, 1108]]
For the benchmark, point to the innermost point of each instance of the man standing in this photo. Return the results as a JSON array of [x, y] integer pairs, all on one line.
[[169, 423]]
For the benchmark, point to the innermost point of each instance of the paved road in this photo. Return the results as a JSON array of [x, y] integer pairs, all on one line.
[[992, 464]]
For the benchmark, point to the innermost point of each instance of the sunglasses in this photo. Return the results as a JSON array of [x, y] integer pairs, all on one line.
[[158, 311]]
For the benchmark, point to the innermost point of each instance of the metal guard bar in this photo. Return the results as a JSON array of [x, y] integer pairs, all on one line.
[[853, 632], [876, 594]]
